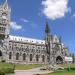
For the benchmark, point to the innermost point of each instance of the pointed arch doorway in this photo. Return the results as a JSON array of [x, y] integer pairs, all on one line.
[[0, 53], [59, 60]]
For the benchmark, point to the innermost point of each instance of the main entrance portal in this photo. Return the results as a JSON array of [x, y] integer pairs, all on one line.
[[0, 53], [59, 60]]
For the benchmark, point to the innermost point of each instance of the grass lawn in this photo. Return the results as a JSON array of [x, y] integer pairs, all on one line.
[[6, 68], [27, 66], [5, 65], [62, 73], [31, 66], [21, 66], [67, 65]]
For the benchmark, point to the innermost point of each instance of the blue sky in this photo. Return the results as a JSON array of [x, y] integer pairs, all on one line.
[[28, 19]]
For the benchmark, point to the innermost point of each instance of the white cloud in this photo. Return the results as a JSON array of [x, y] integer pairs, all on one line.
[[24, 20], [54, 9], [15, 26]]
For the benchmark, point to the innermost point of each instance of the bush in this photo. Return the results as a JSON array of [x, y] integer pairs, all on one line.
[[8, 70], [1, 72], [72, 68], [69, 69]]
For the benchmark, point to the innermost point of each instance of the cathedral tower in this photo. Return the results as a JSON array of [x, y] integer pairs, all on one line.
[[4, 26], [47, 40]]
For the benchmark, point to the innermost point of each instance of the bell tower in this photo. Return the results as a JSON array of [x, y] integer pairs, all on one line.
[[4, 25], [47, 40]]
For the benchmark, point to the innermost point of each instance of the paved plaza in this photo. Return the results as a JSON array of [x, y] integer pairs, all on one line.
[[31, 72]]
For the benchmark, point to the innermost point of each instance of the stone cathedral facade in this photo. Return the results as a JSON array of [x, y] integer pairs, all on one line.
[[15, 49]]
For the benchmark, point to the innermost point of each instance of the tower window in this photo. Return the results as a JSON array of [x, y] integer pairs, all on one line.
[[3, 21], [3, 29], [4, 14]]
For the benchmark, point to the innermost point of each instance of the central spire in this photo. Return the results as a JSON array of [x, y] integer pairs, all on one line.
[[5, 5], [47, 27], [6, 1]]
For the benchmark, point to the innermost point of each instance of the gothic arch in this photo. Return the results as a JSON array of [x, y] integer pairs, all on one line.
[[0, 53], [24, 56], [37, 57], [43, 58], [59, 60], [17, 56], [10, 55], [57, 47], [31, 57]]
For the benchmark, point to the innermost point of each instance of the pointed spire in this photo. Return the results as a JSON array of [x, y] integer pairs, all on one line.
[[5, 5], [60, 39], [47, 27], [6, 1]]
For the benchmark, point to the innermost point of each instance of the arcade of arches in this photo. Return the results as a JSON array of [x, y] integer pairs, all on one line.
[[17, 55]]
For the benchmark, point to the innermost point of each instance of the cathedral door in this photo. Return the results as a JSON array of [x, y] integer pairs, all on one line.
[[59, 60], [0, 53]]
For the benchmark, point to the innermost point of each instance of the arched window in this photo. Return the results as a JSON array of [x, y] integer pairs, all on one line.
[[57, 47], [0, 53], [17, 56], [37, 58], [43, 58], [10, 55], [24, 56], [31, 57]]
